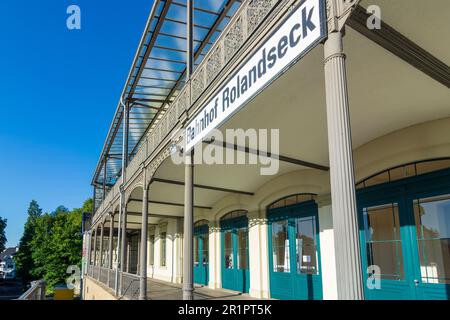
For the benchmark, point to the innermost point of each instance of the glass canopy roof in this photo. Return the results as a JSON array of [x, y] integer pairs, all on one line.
[[158, 73]]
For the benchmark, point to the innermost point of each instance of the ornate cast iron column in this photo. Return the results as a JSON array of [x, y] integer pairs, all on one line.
[[345, 224]]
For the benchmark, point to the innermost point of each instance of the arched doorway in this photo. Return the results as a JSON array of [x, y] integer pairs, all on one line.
[[404, 222], [294, 248], [235, 259], [201, 252]]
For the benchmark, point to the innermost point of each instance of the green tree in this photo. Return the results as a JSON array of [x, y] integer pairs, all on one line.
[[51, 243], [57, 245], [23, 258], [3, 223]]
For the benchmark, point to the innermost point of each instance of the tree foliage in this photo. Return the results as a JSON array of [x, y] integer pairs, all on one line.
[[56, 244], [23, 258], [3, 223]]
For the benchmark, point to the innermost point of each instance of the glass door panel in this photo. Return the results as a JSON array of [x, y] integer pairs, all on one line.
[[242, 241], [432, 221], [205, 249], [280, 246], [228, 250], [306, 245], [383, 240], [196, 250]]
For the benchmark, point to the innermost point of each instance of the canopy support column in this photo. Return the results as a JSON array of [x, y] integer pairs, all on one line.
[[121, 236], [110, 241], [188, 254], [345, 223], [143, 260], [101, 248], [95, 248]]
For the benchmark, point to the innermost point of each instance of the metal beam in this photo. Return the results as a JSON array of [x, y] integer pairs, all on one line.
[[154, 215], [176, 204], [396, 43], [150, 45], [268, 155], [201, 186]]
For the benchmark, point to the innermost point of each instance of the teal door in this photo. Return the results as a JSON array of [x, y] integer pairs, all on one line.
[[235, 259], [294, 252], [405, 238], [201, 254]]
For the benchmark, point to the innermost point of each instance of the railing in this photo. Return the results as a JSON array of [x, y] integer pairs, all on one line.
[[95, 272], [103, 277], [112, 278], [130, 286], [36, 292], [243, 24]]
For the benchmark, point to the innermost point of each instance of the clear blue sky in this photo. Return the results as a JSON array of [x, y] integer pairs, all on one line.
[[58, 93]]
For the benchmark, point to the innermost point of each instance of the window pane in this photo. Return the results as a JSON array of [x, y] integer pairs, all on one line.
[[383, 242], [429, 166], [242, 235], [402, 172], [306, 249], [205, 251], [378, 179], [228, 250], [432, 217], [196, 249], [280, 246]]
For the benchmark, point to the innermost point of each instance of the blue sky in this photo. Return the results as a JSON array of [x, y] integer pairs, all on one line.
[[58, 92]]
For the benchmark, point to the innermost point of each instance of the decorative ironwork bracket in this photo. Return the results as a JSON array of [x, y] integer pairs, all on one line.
[[338, 12]]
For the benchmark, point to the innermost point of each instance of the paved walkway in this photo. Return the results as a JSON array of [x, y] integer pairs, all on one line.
[[160, 290]]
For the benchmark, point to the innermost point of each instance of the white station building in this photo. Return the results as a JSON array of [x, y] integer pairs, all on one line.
[[349, 197]]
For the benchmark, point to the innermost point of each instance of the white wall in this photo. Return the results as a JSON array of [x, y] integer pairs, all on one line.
[[171, 272], [327, 253]]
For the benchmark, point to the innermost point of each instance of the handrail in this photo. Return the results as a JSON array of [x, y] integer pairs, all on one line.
[[35, 292]]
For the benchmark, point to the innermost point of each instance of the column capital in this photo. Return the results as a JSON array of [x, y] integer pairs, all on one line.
[[338, 12], [214, 226], [257, 217]]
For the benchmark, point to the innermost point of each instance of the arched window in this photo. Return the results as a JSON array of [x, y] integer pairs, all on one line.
[[292, 199], [404, 171], [200, 223], [234, 214]]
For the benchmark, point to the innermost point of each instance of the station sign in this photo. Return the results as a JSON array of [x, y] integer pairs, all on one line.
[[301, 31]]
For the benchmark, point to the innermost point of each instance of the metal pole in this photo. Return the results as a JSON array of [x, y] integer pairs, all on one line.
[[189, 38], [110, 241], [104, 177], [119, 234], [121, 231], [110, 247], [95, 247], [94, 209], [345, 224], [88, 251], [143, 260], [188, 254], [102, 226]]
